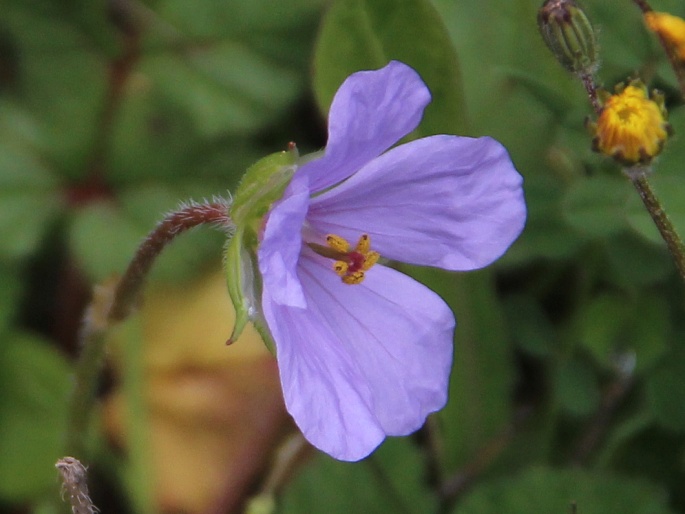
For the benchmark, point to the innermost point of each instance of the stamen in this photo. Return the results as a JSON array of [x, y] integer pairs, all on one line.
[[349, 264]]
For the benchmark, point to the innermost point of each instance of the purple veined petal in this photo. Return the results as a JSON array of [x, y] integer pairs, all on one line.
[[281, 244], [361, 361], [445, 201], [370, 112]]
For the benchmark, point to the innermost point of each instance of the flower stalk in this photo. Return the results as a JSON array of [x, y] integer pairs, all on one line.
[[661, 219], [638, 176], [75, 485], [113, 303]]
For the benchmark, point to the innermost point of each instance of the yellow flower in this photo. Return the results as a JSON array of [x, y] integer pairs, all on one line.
[[670, 28], [632, 127]]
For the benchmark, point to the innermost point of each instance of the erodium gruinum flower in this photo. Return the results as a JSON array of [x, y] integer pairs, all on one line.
[[363, 350]]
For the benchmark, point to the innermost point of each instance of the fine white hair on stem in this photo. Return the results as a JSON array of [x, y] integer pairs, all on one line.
[[192, 207], [75, 485]]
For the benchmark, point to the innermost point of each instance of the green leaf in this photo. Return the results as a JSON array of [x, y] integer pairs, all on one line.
[[666, 391], [103, 241], [10, 279], [493, 38], [206, 19], [595, 206], [636, 262], [482, 374], [546, 490], [210, 75], [391, 480], [529, 326], [546, 235], [601, 322], [60, 78], [577, 388], [29, 197], [649, 331], [613, 327], [104, 236], [626, 43], [223, 88], [34, 380], [367, 34]]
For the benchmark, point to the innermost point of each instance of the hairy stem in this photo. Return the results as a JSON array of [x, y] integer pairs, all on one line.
[[112, 303], [589, 84], [75, 485], [638, 177], [661, 220]]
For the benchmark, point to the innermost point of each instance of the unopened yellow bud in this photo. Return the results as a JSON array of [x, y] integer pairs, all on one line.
[[632, 126], [670, 28]]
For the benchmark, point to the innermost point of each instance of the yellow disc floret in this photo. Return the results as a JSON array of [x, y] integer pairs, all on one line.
[[632, 127], [670, 28]]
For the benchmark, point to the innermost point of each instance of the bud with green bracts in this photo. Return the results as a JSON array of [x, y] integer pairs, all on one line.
[[568, 33]]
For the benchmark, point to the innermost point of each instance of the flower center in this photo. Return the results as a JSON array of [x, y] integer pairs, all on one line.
[[350, 263]]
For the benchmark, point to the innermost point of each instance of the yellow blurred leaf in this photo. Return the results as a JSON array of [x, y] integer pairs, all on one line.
[[215, 411]]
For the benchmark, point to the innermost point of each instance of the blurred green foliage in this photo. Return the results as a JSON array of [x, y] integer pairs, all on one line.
[[569, 376]]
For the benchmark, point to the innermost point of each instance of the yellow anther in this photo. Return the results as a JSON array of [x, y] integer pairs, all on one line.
[[364, 244], [349, 264], [353, 278], [340, 267], [370, 260], [338, 243]]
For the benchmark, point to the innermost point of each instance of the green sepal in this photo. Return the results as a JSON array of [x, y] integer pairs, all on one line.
[[262, 184], [245, 285], [237, 276]]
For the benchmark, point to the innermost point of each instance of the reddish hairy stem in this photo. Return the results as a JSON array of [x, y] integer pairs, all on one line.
[[174, 224], [112, 304]]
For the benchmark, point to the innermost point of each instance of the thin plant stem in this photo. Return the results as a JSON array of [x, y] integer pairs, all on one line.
[[288, 457], [600, 423], [661, 219], [589, 84], [75, 485], [112, 303], [638, 176], [190, 216], [453, 487]]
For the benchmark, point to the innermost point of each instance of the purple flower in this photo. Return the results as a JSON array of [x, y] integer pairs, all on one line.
[[365, 351]]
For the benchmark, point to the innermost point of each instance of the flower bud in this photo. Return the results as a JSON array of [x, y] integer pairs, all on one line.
[[632, 127], [670, 28], [569, 35]]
